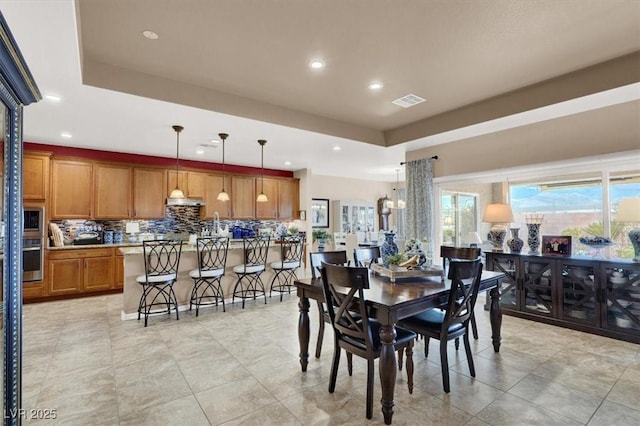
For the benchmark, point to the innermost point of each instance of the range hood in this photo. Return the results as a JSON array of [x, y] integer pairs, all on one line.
[[185, 202]]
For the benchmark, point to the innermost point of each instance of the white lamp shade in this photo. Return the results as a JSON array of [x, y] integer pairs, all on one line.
[[474, 238], [262, 198], [629, 210], [498, 213], [176, 193], [223, 196], [132, 227]]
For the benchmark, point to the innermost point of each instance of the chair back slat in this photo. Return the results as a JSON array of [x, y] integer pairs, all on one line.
[[465, 282], [212, 253], [161, 257], [344, 293], [333, 257], [291, 249], [365, 256], [255, 251], [447, 253]]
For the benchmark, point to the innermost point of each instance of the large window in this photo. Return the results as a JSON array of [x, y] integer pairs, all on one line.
[[459, 217]]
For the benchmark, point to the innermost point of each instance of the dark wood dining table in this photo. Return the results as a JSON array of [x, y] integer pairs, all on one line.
[[389, 302]]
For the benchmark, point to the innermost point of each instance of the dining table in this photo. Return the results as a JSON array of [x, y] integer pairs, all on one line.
[[388, 303]]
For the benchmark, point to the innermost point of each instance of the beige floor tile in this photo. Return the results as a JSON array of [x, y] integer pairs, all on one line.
[[183, 411], [511, 410], [274, 414], [626, 392], [611, 413], [207, 370]]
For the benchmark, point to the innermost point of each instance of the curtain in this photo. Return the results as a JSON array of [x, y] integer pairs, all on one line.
[[420, 203]]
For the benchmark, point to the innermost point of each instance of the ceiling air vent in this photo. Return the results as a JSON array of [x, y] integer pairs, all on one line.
[[408, 100]]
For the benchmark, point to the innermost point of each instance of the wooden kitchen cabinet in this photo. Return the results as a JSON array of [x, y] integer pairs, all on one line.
[[213, 186], [148, 193], [98, 273], [243, 197], [71, 189], [118, 270], [112, 191], [192, 184], [65, 276], [35, 172], [288, 199], [268, 209]]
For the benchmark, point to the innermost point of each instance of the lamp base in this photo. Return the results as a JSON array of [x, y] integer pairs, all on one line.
[[634, 237], [496, 236]]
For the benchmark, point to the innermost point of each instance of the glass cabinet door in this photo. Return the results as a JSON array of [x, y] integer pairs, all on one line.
[[622, 284], [508, 285], [345, 219], [536, 283], [578, 291]]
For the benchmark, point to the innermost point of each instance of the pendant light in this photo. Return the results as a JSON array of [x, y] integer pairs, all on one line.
[[177, 192], [262, 197], [223, 196], [399, 203]]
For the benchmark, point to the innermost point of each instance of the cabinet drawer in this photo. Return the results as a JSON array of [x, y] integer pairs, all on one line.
[[80, 253]]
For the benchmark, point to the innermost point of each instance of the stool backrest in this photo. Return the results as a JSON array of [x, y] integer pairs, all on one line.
[[365, 256], [333, 257], [291, 248], [449, 253], [255, 251], [212, 253], [465, 282], [161, 257]]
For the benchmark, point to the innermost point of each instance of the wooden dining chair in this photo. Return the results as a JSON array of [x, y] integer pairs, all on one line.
[[447, 253], [315, 260], [453, 322], [365, 256], [343, 288]]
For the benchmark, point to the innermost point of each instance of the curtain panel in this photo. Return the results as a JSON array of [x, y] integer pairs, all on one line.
[[420, 202]]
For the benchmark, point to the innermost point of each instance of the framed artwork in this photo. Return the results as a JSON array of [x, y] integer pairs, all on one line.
[[556, 245], [319, 213]]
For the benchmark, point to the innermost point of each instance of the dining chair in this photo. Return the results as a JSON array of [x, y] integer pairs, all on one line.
[[291, 249], [315, 261], [365, 256], [453, 322], [211, 254], [343, 288], [161, 261], [464, 253], [249, 284]]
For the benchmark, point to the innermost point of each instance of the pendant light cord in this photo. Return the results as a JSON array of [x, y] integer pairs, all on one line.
[[178, 129]]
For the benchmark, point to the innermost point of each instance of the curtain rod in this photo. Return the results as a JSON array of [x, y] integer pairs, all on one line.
[[435, 157]]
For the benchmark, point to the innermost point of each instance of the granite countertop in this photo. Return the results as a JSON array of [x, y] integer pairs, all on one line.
[[92, 246]]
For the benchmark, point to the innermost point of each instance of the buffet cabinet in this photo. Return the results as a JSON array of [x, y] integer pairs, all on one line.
[[599, 296]]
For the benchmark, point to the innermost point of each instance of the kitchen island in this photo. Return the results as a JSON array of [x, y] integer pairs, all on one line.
[[134, 267]]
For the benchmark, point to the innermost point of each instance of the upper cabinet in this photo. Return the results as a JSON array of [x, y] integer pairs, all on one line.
[[268, 209], [112, 191], [35, 168], [288, 199], [243, 197], [213, 186], [191, 183], [148, 194], [71, 189]]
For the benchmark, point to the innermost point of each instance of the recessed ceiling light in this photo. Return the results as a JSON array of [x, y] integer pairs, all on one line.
[[53, 98], [150, 35], [375, 85], [316, 64], [287, 163], [337, 148], [214, 141], [200, 151], [66, 135]]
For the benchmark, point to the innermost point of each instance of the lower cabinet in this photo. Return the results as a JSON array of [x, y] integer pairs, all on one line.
[[78, 271], [599, 296]]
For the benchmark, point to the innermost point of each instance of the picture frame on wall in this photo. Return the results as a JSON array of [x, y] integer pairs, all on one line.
[[319, 213], [556, 245]]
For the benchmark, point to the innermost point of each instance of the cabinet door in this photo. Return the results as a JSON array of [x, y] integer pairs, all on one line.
[[171, 181], [148, 193], [72, 190], [213, 186], [65, 276], [112, 192], [509, 289], [288, 199], [268, 209], [196, 184], [243, 197], [35, 172], [98, 273], [577, 291], [118, 271], [620, 284], [537, 280]]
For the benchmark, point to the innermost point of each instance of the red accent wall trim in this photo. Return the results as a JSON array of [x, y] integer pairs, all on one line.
[[149, 160]]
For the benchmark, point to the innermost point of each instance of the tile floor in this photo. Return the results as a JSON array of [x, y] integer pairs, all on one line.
[[241, 367]]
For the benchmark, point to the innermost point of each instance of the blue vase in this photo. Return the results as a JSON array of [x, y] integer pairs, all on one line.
[[515, 244], [389, 246], [534, 238]]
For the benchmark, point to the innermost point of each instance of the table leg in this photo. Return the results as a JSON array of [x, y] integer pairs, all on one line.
[[387, 370], [495, 315], [303, 331]]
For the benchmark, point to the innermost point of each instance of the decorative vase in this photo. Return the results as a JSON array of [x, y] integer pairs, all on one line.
[[515, 244], [634, 237], [321, 244], [534, 237], [389, 246]]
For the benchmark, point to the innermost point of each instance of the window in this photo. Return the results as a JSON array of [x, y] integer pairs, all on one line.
[[459, 217]]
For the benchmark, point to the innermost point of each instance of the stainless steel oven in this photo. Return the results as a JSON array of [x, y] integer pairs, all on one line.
[[33, 236]]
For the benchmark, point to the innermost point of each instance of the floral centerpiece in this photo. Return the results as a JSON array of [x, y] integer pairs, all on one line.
[[413, 245]]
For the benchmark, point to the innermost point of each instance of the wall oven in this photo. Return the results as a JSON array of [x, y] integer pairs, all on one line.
[[33, 236]]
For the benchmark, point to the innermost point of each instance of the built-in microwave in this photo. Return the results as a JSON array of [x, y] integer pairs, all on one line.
[[33, 221]]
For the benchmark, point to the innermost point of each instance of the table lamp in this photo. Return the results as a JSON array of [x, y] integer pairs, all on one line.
[[132, 228], [629, 211], [498, 214], [473, 239]]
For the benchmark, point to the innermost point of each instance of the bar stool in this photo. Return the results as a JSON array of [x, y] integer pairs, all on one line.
[[249, 283], [161, 260], [212, 260], [291, 249]]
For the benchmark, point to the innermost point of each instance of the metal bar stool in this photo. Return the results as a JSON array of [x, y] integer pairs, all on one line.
[[161, 260], [291, 249], [212, 260], [249, 283]]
